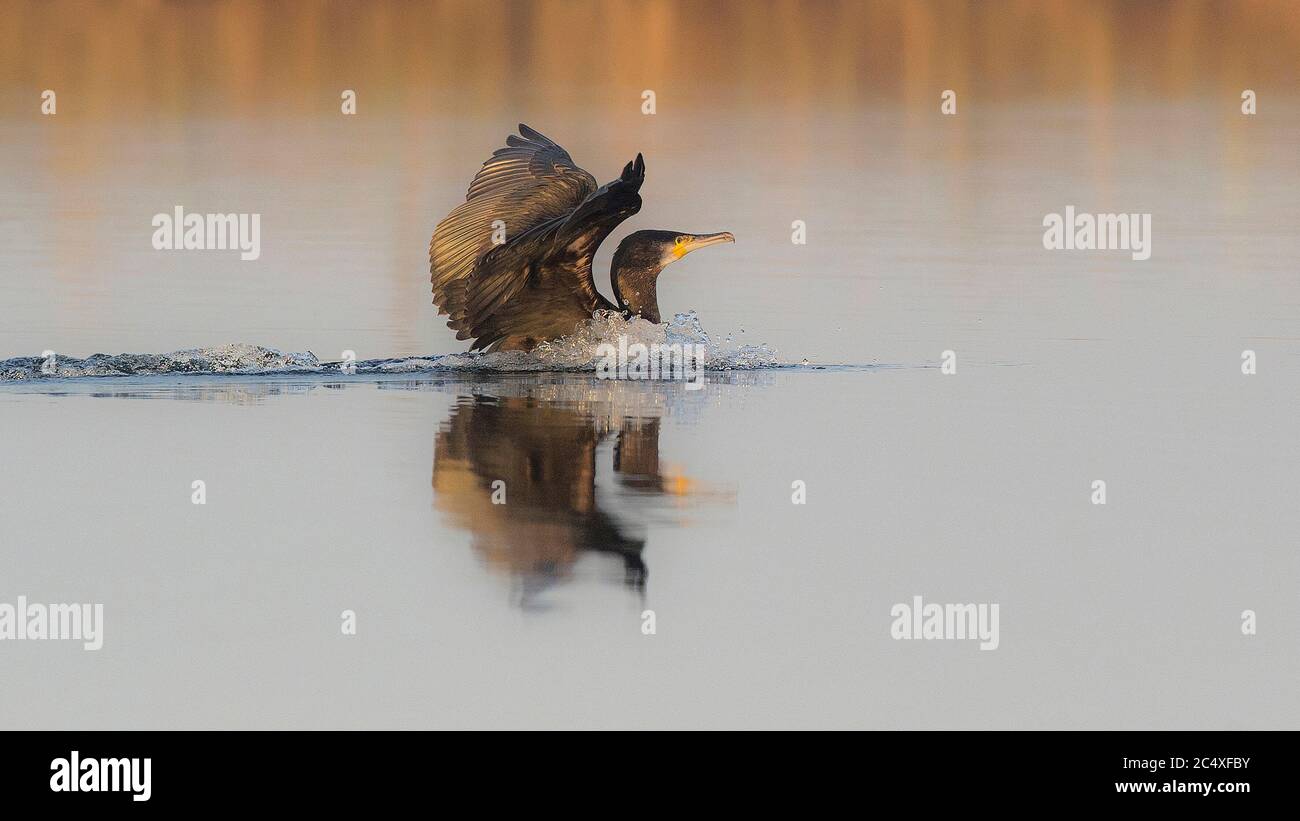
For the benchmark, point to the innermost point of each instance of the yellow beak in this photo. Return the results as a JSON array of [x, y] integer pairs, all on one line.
[[702, 241]]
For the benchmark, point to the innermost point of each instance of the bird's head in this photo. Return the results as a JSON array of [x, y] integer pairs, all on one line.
[[640, 258]]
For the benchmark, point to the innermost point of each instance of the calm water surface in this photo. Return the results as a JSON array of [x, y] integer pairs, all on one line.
[[373, 494]]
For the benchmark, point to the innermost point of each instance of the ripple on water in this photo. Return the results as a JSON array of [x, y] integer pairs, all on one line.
[[577, 352]]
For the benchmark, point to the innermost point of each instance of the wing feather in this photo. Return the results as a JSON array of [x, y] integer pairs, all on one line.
[[537, 284], [531, 182]]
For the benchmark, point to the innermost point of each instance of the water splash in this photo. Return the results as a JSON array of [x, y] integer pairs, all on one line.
[[233, 359], [577, 352]]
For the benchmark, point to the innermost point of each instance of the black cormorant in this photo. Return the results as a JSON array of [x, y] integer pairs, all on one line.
[[511, 266]]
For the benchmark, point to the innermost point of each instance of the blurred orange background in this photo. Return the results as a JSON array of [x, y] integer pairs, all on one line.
[[170, 59]]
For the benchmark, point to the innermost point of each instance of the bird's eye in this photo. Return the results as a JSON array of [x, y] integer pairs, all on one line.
[[681, 240]]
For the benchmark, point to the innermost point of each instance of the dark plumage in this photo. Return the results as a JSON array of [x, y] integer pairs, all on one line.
[[538, 284]]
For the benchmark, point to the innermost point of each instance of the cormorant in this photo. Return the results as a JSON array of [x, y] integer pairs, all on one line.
[[511, 266]]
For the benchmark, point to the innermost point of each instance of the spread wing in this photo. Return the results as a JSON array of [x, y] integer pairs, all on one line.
[[553, 216], [527, 185]]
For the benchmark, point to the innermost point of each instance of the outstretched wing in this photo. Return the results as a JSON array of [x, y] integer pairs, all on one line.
[[537, 284], [532, 185]]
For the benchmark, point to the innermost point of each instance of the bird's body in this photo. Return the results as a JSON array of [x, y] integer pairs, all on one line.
[[511, 266]]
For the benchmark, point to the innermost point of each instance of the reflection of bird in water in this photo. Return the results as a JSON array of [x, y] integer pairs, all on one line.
[[546, 454], [511, 266]]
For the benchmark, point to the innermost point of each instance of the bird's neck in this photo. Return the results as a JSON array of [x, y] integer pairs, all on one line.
[[634, 288]]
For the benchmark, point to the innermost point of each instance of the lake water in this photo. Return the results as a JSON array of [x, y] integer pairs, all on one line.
[[372, 492]]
